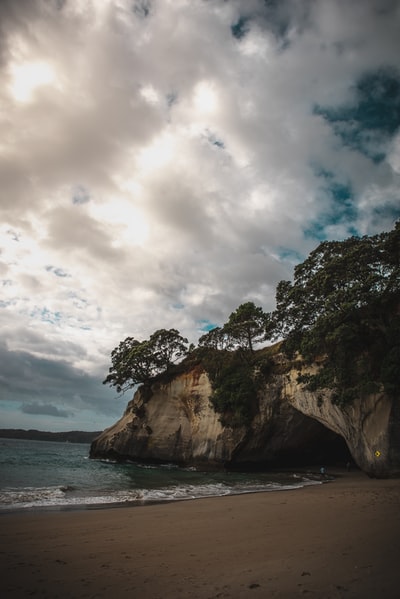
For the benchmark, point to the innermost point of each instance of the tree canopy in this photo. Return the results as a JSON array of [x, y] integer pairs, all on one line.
[[137, 362], [337, 278], [247, 325], [344, 305]]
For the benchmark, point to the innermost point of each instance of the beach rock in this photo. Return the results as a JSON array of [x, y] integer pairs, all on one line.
[[174, 421]]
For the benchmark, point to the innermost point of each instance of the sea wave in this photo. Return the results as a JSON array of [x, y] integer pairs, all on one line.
[[70, 496]]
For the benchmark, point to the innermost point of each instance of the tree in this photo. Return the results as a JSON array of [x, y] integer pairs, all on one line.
[[343, 304], [166, 347], [132, 363], [337, 278], [137, 362], [217, 339], [248, 325]]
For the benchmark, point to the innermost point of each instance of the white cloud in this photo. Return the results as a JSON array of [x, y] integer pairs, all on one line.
[[28, 77]]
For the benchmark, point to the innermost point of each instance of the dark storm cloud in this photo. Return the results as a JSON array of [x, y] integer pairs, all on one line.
[[39, 382], [44, 409]]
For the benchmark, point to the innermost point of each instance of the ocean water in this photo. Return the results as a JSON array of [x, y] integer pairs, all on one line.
[[48, 475]]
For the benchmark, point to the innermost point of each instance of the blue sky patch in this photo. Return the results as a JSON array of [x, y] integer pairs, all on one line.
[[373, 118], [289, 255], [240, 28], [206, 325], [317, 229], [46, 315], [80, 195], [59, 272], [342, 209], [278, 18], [343, 203], [178, 306], [273, 15], [215, 140]]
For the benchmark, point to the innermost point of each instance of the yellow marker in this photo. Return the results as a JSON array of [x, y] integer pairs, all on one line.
[[377, 453]]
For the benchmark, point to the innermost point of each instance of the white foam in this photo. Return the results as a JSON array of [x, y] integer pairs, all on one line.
[[65, 496]]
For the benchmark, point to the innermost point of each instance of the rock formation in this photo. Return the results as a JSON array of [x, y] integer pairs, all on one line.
[[174, 421]]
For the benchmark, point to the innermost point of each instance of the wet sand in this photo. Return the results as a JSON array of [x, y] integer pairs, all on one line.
[[340, 539]]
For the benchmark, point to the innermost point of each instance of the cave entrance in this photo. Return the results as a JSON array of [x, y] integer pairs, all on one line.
[[293, 440], [324, 448]]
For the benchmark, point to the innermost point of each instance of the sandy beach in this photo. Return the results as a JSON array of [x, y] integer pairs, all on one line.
[[340, 539]]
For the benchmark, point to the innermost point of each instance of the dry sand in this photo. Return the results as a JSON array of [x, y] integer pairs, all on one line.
[[341, 539]]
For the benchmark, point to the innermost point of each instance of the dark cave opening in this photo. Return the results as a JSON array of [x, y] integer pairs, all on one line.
[[294, 440], [326, 449]]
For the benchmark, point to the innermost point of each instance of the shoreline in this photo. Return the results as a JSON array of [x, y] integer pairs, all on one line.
[[328, 540], [315, 479]]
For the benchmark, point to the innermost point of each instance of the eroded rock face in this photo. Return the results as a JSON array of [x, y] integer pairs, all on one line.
[[175, 421], [172, 422], [370, 426]]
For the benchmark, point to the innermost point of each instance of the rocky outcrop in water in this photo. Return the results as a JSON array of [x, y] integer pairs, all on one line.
[[174, 421]]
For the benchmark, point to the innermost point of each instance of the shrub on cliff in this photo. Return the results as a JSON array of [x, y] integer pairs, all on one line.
[[235, 379]]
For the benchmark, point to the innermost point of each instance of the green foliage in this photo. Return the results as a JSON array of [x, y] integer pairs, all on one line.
[[214, 361], [234, 396], [234, 389], [131, 364], [137, 362], [217, 339], [342, 306], [247, 325], [227, 353], [166, 347], [236, 381]]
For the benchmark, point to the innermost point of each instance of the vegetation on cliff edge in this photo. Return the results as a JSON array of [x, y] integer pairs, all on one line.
[[343, 306]]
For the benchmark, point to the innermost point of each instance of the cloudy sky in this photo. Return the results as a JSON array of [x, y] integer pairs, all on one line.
[[163, 161]]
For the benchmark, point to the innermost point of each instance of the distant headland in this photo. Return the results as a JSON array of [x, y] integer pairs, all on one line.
[[62, 437]]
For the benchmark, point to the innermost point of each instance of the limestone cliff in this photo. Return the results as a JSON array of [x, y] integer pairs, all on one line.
[[174, 421], [370, 425]]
